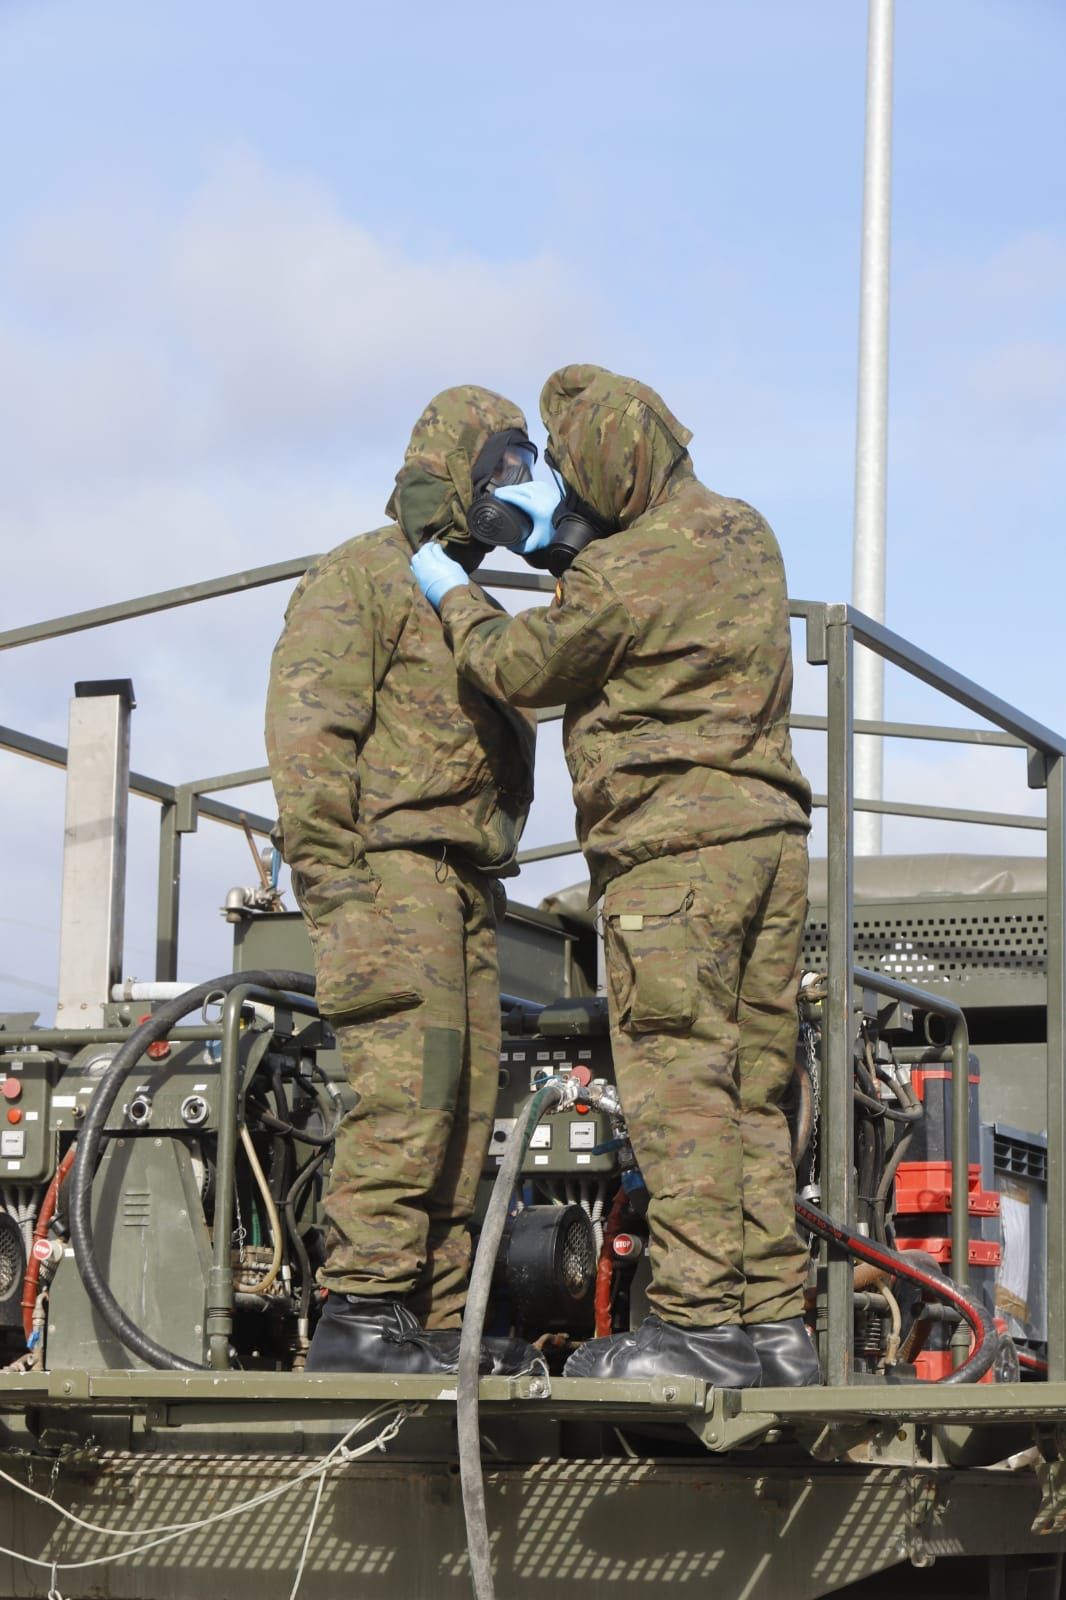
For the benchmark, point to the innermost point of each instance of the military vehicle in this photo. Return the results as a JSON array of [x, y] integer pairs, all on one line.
[[164, 1151]]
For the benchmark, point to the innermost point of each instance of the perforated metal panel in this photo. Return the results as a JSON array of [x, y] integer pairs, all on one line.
[[949, 943]]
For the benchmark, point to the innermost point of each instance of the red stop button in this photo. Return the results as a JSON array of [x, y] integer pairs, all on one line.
[[11, 1088]]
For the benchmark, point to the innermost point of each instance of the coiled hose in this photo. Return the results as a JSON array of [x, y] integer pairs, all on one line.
[[900, 1265], [91, 1137]]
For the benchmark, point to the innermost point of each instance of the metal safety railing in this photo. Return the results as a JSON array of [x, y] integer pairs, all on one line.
[[833, 631]]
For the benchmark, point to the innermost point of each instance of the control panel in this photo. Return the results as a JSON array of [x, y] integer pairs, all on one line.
[[576, 1141]]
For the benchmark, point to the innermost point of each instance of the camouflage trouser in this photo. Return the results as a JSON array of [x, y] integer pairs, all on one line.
[[409, 1156], [703, 954]]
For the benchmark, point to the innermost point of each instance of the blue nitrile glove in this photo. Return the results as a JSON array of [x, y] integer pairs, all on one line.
[[538, 500], [436, 573]]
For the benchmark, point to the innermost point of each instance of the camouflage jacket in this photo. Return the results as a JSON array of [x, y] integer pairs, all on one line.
[[374, 741], [668, 641]]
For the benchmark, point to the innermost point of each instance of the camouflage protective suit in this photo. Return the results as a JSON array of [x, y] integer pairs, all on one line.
[[402, 792], [669, 644]]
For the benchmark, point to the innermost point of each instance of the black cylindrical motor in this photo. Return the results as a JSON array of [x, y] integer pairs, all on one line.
[[547, 1269]]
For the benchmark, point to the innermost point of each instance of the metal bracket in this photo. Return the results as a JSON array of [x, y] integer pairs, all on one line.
[[817, 645], [1038, 763], [1051, 1476], [924, 1511], [187, 813], [838, 1439]]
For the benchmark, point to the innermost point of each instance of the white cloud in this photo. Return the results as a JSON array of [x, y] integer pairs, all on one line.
[[259, 318], [981, 373], [189, 392]]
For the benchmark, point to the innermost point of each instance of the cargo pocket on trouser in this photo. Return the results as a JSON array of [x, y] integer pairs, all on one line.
[[442, 1064], [362, 968], [651, 958]]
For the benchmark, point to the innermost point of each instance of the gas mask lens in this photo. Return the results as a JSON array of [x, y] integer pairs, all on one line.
[[516, 466]]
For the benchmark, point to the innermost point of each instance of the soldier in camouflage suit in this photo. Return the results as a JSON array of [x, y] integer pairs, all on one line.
[[402, 791], [669, 644]]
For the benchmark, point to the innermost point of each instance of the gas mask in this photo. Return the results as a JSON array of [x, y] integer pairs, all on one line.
[[575, 525], [505, 458], [508, 458]]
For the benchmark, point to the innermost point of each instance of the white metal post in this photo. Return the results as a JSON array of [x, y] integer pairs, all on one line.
[[94, 851], [868, 566]]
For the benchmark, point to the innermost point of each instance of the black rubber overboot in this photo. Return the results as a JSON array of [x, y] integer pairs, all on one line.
[[786, 1354], [364, 1333], [369, 1333], [721, 1356]]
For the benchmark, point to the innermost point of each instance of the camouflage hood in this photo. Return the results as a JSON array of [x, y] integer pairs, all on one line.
[[433, 487], [614, 440]]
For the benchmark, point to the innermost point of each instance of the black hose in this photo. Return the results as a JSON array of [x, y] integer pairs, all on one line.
[[986, 1337], [295, 1194], [881, 1111], [89, 1140], [804, 1120], [322, 1141]]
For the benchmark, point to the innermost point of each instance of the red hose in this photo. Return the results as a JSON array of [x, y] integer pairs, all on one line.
[[605, 1266], [986, 1336], [44, 1217]]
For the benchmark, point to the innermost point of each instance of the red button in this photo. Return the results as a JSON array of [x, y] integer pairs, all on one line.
[[11, 1088], [14, 1114], [161, 1048], [582, 1074]]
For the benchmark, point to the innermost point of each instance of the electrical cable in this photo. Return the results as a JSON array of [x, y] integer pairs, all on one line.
[[169, 1014], [900, 1265], [896, 1315], [477, 1299], [271, 1210], [275, 1124], [299, 1183]]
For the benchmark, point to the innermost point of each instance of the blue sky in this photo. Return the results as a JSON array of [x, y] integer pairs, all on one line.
[[242, 245]]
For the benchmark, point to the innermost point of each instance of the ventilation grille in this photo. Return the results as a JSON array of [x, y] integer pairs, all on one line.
[[940, 948], [1019, 1158], [579, 1256], [12, 1258]]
